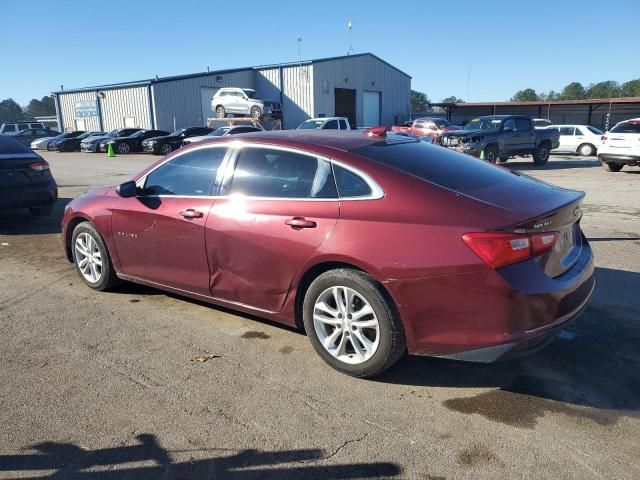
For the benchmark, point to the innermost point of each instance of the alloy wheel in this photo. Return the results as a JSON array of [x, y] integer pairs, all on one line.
[[165, 149], [88, 257], [346, 325]]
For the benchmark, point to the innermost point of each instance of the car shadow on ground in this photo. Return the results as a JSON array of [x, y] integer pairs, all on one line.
[[594, 362], [71, 462], [552, 164], [21, 222]]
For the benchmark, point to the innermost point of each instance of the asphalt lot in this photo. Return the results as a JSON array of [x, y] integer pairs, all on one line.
[[102, 385]]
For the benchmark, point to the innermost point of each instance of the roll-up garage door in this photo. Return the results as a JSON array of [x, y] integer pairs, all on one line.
[[371, 109]]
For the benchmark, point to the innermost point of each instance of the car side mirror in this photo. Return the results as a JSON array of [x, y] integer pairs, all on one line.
[[127, 189]]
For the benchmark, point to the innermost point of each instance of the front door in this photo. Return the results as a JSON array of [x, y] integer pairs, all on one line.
[[509, 135], [282, 205], [159, 235]]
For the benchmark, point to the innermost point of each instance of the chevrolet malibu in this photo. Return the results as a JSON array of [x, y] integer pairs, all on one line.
[[374, 245]]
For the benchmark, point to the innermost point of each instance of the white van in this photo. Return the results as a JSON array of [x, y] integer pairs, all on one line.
[[13, 128]]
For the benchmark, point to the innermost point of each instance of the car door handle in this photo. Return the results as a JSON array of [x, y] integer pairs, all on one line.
[[300, 222], [191, 213]]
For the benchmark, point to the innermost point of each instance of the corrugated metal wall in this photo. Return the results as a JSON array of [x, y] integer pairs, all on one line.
[[268, 83], [117, 104], [68, 114], [297, 91], [181, 98], [362, 73], [132, 102]]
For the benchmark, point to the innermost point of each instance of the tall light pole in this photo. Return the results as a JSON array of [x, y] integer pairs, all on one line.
[[349, 25]]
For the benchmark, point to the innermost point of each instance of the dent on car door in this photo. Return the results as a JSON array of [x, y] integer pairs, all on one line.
[[159, 234], [280, 207]]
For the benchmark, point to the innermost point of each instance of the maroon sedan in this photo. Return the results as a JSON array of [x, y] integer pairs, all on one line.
[[373, 245]]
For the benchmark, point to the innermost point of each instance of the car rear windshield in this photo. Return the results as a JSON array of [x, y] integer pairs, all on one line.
[[446, 168], [626, 127], [8, 146]]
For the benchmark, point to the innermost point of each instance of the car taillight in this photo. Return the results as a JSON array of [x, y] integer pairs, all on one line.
[[500, 249], [40, 166]]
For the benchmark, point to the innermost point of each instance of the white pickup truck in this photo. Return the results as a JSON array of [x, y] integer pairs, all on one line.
[[325, 123]]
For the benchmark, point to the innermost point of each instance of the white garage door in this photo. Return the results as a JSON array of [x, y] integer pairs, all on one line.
[[371, 109], [206, 94]]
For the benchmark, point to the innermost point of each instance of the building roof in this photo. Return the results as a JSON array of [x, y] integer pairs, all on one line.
[[587, 101], [155, 80]]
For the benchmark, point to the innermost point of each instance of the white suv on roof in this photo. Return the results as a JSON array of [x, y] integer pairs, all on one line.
[[325, 123], [14, 128], [621, 146]]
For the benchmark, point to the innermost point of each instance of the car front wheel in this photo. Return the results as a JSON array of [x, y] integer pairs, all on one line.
[[165, 149], [91, 258], [351, 323]]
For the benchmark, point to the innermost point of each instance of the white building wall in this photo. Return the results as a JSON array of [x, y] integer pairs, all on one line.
[[181, 99], [298, 98], [121, 103], [68, 114], [362, 73]]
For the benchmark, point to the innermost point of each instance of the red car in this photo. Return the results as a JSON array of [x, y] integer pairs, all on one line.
[[373, 245], [427, 127]]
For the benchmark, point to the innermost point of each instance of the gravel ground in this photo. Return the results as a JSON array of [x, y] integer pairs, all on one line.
[[102, 385]]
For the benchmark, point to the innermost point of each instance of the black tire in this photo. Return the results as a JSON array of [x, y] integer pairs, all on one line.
[[108, 277], [255, 112], [123, 148], [586, 150], [44, 211], [613, 167], [503, 159], [391, 345], [221, 112], [491, 153], [166, 149], [541, 154]]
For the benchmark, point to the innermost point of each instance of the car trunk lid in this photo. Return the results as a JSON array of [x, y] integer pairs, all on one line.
[[16, 169]]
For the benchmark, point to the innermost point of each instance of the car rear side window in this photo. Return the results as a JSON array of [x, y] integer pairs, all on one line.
[[23, 126], [343, 124], [523, 125], [273, 173], [441, 166], [627, 127], [566, 131], [191, 174], [9, 128], [349, 184], [595, 131], [331, 125]]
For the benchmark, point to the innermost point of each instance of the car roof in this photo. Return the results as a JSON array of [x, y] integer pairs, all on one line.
[[335, 139]]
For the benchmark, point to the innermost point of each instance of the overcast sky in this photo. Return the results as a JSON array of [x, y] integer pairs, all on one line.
[[501, 46]]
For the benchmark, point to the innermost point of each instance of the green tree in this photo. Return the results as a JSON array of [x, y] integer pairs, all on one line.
[[419, 102], [452, 99], [37, 108], [573, 91], [550, 95], [526, 95], [10, 111], [606, 89], [630, 88]]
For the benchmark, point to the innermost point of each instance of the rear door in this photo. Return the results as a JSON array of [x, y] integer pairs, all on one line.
[[159, 235], [525, 134], [567, 139], [281, 206]]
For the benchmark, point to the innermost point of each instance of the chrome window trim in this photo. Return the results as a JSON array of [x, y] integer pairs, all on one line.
[[228, 165]]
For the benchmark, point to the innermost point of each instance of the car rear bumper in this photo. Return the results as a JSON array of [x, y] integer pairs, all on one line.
[[487, 315], [30, 196], [619, 158]]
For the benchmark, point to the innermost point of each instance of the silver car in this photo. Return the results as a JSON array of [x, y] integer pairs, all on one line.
[[244, 101]]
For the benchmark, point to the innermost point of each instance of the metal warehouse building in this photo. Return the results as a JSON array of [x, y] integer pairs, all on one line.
[[363, 87]]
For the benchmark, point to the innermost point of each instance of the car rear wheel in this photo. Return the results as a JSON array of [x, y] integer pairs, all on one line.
[[491, 153], [123, 148], [586, 150], [165, 149], [220, 112], [351, 324], [503, 159], [256, 112], [613, 167], [541, 154], [41, 211], [91, 258]]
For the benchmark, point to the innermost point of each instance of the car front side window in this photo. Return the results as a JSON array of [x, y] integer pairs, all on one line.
[[192, 174], [273, 173]]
